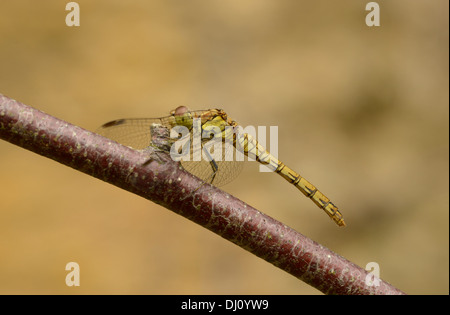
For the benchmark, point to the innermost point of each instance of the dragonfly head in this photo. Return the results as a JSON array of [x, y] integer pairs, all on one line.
[[180, 111], [182, 116]]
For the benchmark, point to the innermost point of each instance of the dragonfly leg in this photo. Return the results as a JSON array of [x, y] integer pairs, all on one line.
[[214, 166]]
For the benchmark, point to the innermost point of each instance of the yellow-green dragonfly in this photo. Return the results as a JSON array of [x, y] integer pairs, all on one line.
[[136, 133]]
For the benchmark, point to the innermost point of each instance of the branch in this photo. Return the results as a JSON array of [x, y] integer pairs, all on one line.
[[164, 182]]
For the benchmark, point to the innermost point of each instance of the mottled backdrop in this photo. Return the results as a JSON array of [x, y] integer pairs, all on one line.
[[362, 113]]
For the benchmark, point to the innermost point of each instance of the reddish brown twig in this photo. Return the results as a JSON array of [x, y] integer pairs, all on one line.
[[162, 181]]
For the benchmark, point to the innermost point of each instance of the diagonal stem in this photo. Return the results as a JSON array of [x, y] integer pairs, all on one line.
[[166, 183]]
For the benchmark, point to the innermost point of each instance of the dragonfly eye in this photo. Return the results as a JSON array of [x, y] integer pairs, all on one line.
[[180, 111]]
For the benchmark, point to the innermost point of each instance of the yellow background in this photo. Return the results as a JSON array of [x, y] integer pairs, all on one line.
[[362, 113]]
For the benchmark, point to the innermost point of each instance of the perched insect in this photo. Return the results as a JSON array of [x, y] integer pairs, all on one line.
[[215, 169]]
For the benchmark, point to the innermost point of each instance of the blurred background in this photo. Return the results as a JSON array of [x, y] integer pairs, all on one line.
[[362, 112]]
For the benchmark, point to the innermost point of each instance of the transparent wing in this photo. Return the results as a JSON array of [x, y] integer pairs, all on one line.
[[136, 133], [133, 133], [227, 169]]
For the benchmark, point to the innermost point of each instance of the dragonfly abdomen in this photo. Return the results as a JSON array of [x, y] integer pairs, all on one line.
[[310, 191], [253, 149]]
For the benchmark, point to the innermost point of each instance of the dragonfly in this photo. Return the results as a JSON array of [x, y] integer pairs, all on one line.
[[217, 167]]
